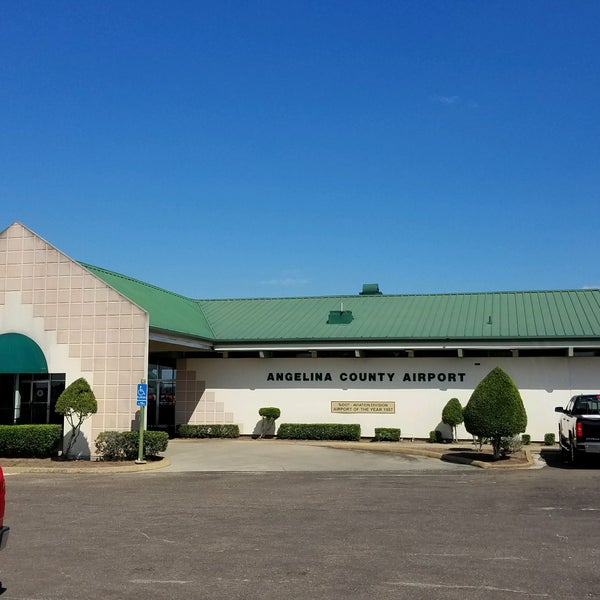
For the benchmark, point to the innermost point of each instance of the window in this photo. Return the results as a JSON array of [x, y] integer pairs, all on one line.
[[29, 398]]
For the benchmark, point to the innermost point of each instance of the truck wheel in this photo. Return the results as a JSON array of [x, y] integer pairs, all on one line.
[[574, 457]]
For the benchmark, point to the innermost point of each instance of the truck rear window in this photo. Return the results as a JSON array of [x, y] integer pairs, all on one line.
[[587, 406]]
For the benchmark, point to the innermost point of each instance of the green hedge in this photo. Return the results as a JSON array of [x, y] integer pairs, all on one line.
[[124, 445], [319, 431], [30, 441], [387, 434], [208, 431]]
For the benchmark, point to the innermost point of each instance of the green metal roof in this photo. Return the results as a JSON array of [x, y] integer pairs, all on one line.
[[506, 315], [168, 311], [537, 315], [20, 354]]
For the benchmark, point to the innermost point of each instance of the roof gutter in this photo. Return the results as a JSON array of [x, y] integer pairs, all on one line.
[[466, 345]]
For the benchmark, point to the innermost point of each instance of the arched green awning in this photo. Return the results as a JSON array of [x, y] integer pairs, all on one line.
[[20, 354]]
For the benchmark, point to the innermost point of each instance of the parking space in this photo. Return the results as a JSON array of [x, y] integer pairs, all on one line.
[[249, 519], [419, 534]]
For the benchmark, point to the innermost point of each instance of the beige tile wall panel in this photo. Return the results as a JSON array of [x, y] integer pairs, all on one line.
[[84, 327], [195, 404]]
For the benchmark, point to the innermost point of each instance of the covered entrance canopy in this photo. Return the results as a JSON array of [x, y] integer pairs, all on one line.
[[20, 354]]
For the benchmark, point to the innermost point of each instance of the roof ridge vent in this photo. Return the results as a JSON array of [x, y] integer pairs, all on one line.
[[370, 289]]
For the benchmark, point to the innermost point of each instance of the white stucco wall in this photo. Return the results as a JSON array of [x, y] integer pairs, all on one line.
[[232, 390]]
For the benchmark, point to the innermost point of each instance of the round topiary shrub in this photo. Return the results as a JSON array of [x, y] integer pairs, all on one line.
[[495, 409], [269, 412]]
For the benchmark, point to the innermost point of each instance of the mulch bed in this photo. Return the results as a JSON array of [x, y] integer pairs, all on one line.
[[486, 456]]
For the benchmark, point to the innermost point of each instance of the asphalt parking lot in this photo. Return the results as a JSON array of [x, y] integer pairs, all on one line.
[[419, 533]]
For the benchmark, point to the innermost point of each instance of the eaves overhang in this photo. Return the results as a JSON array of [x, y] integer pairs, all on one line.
[[407, 345], [174, 339]]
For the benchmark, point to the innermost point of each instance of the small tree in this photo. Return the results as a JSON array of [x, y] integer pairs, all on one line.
[[76, 403], [269, 414], [495, 409], [452, 414]]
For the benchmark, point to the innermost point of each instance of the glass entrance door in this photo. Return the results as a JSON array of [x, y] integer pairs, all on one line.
[[166, 403], [161, 404], [33, 404], [161, 398], [40, 401]]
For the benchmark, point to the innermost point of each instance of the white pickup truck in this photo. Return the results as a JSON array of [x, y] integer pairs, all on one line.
[[579, 427]]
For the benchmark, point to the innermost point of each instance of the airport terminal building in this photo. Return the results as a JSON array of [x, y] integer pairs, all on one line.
[[370, 358]]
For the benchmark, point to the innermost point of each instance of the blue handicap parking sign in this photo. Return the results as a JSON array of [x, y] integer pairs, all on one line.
[[142, 394]]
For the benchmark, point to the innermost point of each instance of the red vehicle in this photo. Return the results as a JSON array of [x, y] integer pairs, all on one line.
[[3, 529]]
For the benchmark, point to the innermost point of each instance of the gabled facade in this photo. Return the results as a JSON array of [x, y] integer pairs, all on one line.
[[380, 360], [82, 326]]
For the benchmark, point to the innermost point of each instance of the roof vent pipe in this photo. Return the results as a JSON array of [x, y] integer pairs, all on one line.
[[370, 289]]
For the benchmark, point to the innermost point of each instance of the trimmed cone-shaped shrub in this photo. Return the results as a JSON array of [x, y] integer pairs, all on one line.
[[452, 414], [495, 409], [76, 403]]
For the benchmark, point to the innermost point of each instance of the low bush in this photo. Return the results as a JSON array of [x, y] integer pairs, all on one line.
[[436, 437], [549, 439], [109, 445], [319, 431], [208, 431], [124, 445], [526, 439], [154, 442], [510, 444], [387, 434], [30, 441]]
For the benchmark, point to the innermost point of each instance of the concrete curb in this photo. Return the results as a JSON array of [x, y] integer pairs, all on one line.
[[126, 468], [439, 453], [494, 465]]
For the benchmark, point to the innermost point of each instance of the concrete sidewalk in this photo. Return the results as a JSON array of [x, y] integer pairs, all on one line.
[[274, 455], [283, 455], [248, 455]]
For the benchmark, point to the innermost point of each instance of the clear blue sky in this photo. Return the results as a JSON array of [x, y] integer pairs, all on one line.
[[275, 148]]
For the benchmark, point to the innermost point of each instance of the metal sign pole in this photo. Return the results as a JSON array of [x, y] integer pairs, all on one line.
[[142, 399]]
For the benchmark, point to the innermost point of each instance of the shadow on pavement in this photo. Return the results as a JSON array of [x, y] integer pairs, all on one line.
[[555, 459]]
